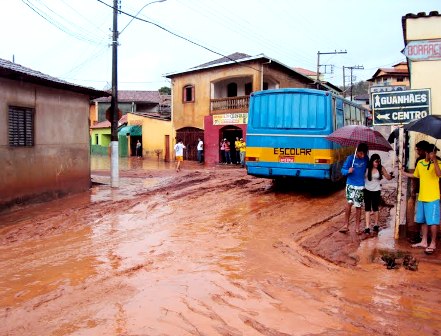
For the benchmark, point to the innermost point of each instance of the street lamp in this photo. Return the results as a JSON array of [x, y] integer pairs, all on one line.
[[136, 15]]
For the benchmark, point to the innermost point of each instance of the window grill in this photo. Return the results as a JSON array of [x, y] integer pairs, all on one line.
[[21, 126]]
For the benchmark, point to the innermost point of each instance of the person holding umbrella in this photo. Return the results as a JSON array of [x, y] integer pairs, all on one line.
[[354, 169], [428, 172]]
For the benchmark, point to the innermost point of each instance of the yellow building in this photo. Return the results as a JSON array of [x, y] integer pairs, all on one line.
[[157, 133], [422, 38]]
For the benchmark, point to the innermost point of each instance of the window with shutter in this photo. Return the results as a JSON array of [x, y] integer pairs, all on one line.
[[21, 126]]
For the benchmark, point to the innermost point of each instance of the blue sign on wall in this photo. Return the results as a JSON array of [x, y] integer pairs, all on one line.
[[401, 107]]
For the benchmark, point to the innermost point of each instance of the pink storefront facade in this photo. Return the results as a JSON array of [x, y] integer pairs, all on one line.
[[213, 134]]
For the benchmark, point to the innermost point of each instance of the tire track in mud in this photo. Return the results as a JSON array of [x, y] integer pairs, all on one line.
[[54, 222], [259, 303]]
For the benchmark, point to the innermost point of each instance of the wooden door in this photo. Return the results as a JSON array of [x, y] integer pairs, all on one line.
[[189, 136], [167, 148]]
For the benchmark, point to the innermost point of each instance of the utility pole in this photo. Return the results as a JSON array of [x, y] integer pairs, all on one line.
[[114, 169], [344, 83], [318, 62], [114, 111], [355, 67]]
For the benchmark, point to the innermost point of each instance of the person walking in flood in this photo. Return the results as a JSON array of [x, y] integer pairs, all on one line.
[[354, 169], [179, 153], [138, 149], [372, 190], [428, 172]]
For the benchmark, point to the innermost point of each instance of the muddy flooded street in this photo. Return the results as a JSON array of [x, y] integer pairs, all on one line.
[[207, 251]]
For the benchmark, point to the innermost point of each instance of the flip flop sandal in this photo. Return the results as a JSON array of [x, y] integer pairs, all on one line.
[[429, 250]]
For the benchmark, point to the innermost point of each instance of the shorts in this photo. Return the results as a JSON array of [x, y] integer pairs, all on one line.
[[371, 200], [427, 213], [179, 158], [354, 195]]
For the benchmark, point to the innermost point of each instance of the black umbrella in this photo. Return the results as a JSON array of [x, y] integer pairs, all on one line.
[[430, 125]]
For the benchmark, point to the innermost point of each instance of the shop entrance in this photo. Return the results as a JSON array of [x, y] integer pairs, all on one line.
[[230, 133]]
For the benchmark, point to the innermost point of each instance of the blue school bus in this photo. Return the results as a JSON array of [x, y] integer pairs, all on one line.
[[287, 129]]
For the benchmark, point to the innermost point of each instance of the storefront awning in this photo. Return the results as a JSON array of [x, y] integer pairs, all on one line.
[[133, 130]]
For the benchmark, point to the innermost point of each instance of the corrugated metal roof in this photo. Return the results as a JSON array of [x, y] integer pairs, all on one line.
[[132, 130], [233, 57]]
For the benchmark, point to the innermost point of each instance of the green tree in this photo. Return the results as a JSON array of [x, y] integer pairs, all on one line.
[[165, 90], [359, 88]]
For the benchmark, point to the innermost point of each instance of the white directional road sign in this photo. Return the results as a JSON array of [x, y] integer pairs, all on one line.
[[401, 107]]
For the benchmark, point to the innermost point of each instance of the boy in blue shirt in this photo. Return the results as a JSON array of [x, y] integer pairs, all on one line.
[[354, 169]]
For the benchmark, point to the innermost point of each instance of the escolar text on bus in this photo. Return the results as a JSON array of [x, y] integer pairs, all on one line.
[[292, 151]]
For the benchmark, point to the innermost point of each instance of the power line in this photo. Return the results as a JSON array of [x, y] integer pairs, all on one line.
[[229, 20], [179, 36], [52, 19]]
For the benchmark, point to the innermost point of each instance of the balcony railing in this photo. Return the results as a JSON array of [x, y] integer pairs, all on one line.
[[232, 104]]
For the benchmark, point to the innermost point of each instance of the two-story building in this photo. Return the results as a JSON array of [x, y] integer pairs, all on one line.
[[211, 100], [390, 79]]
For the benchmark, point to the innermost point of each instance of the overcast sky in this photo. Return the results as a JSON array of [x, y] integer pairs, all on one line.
[[69, 39]]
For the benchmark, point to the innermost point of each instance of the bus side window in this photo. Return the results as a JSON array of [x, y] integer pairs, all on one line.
[[339, 118], [347, 111]]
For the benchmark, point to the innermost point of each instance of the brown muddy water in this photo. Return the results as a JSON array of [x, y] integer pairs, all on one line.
[[207, 251]]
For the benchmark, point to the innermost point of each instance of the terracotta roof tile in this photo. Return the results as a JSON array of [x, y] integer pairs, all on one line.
[[102, 124], [306, 72], [134, 96], [106, 123]]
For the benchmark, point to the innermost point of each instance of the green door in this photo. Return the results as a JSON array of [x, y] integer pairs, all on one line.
[[123, 146]]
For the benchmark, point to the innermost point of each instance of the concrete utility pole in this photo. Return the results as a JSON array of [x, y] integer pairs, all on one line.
[[344, 83], [114, 169], [355, 67], [318, 62], [114, 166]]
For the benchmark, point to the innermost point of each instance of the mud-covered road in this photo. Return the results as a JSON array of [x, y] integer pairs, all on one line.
[[207, 251]]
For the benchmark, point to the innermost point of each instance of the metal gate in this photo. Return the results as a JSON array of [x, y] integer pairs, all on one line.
[[189, 136]]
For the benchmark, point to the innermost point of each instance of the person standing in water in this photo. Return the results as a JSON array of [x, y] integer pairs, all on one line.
[[428, 171], [372, 190], [354, 169]]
